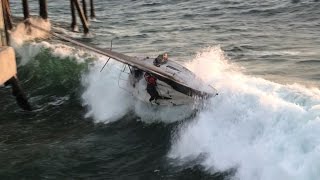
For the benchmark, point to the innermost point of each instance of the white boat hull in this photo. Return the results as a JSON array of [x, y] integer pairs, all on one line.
[[170, 93], [170, 97]]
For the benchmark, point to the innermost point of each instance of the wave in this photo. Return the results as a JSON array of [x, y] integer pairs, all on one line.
[[50, 80], [309, 62], [262, 129], [108, 100], [24, 32], [55, 74]]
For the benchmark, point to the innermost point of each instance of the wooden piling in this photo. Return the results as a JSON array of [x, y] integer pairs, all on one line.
[[82, 17], [43, 9], [73, 15], [8, 76], [84, 7], [17, 92], [92, 13], [26, 13], [7, 14]]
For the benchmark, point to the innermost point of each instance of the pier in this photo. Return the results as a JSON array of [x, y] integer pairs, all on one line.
[[8, 67]]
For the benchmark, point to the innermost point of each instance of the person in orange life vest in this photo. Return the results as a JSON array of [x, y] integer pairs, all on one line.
[[151, 86], [161, 59]]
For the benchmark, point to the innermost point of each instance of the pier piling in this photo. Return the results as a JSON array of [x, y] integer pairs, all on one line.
[[92, 13], [8, 76], [43, 9], [84, 7], [73, 17], [26, 13], [18, 93], [8, 67], [82, 17], [7, 14]]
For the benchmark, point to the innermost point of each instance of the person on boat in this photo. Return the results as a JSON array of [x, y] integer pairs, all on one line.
[[151, 87], [136, 75], [161, 59]]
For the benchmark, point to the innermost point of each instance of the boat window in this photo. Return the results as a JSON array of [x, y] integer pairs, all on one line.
[[168, 66]]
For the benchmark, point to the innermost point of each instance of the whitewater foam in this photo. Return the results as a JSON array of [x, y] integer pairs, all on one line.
[[263, 129], [105, 100], [24, 32], [108, 99], [28, 51]]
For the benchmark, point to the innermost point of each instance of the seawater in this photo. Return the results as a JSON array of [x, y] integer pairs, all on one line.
[[261, 56]]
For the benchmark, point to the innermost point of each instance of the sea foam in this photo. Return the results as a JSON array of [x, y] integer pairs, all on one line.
[[262, 129]]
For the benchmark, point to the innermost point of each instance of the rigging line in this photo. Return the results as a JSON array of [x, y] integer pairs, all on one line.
[[108, 59], [105, 64]]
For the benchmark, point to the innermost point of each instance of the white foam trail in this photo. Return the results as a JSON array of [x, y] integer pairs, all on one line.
[[263, 129]]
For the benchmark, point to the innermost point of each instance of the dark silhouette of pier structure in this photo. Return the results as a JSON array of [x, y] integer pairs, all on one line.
[[75, 8], [8, 76]]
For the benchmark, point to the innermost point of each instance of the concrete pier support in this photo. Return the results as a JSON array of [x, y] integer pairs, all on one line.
[[8, 66], [8, 76]]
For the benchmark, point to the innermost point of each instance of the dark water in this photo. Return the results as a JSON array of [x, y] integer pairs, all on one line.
[[264, 124]]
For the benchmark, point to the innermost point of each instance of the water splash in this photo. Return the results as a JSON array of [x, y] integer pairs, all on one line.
[[108, 99], [24, 32], [105, 100], [263, 129]]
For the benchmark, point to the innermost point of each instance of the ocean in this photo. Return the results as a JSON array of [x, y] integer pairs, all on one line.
[[261, 56]]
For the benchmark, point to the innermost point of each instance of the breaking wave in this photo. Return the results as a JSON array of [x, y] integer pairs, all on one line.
[[107, 98], [50, 78], [24, 32], [57, 72], [262, 129]]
